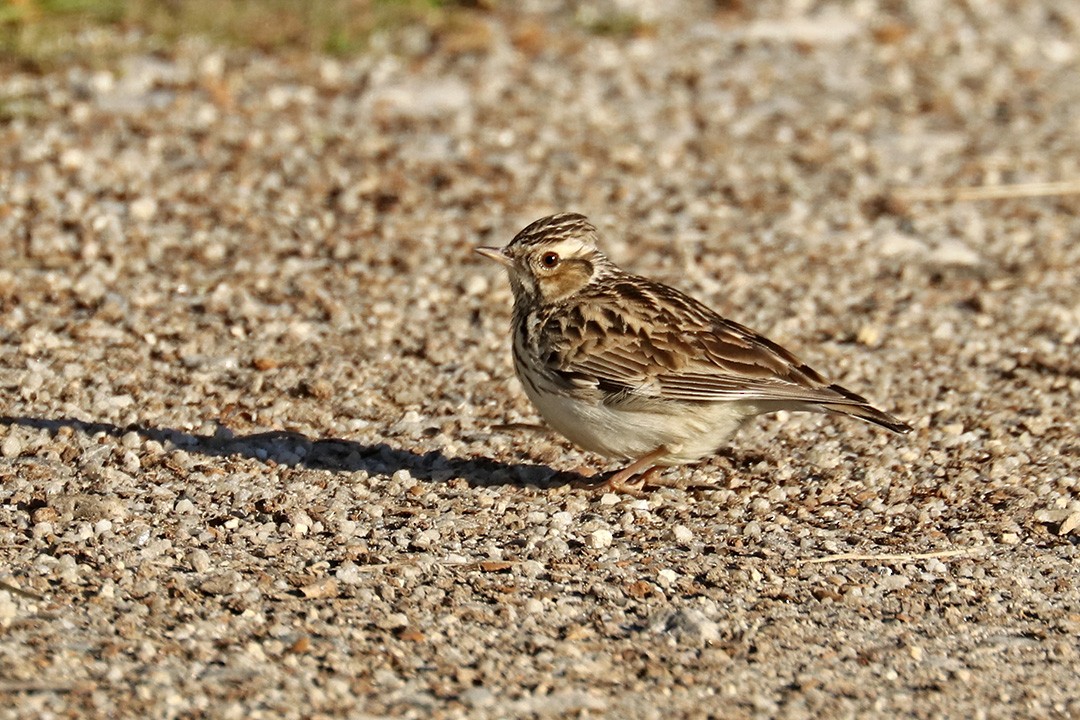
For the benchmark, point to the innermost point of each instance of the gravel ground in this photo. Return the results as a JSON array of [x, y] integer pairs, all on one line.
[[261, 447]]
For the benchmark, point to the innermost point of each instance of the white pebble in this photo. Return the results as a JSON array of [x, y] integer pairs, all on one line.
[[531, 568], [478, 697], [349, 573], [894, 582], [143, 209], [667, 576], [475, 285], [682, 534], [562, 519], [11, 447], [1070, 524], [199, 560], [690, 627], [955, 253], [426, 538], [600, 539]]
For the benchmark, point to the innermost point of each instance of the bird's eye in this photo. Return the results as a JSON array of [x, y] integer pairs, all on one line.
[[549, 259]]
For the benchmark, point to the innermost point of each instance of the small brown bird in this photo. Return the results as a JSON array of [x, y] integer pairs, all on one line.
[[636, 370]]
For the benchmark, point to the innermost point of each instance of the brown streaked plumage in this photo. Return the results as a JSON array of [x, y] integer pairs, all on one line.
[[637, 370]]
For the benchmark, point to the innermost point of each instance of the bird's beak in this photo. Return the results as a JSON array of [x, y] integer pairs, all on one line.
[[496, 254]]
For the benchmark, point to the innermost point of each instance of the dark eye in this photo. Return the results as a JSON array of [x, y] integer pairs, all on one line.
[[549, 259]]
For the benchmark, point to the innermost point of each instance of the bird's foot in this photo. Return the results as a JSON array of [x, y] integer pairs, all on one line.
[[639, 485]]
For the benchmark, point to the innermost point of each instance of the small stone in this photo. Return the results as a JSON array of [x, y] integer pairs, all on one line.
[[682, 534], [72, 159], [199, 560], [478, 697], [562, 519], [869, 335], [894, 582], [531, 568], [393, 621], [1070, 524], [225, 583], [667, 576], [349, 573], [131, 462], [11, 447], [44, 514], [600, 539], [689, 626], [1010, 538], [9, 610], [955, 254], [475, 285], [425, 539], [899, 244], [752, 529], [144, 208], [609, 499], [322, 588]]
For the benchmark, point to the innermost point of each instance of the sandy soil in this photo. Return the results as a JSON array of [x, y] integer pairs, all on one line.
[[261, 451]]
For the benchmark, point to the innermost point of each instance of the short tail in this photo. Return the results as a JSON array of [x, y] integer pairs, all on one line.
[[860, 407]]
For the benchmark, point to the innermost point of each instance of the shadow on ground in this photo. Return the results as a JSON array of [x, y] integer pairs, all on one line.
[[294, 449]]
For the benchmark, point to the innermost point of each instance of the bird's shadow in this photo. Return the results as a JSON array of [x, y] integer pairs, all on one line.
[[294, 449]]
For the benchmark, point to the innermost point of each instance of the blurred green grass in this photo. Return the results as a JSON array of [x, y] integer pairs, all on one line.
[[36, 34]]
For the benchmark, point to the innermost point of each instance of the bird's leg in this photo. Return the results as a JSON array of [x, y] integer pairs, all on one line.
[[618, 481]]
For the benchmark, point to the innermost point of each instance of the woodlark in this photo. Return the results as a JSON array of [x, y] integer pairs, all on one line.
[[636, 370]]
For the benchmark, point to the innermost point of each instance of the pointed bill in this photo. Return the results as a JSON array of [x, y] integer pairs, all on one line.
[[496, 254]]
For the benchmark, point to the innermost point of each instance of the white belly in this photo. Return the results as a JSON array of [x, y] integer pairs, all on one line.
[[692, 432]]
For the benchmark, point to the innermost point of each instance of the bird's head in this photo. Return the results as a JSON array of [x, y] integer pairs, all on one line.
[[552, 259]]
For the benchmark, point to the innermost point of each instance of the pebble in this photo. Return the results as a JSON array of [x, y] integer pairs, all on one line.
[[200, 562], [689, 626], [600, 539], [954, 253], [393, 621], [894, 582], [532, 568], [562, 519], [1070, 524], [143, 209], [478, 698], [682, 534], [475, 285], [11, 447]]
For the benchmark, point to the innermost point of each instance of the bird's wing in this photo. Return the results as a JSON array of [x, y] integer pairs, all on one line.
[[698, 367], [651, 341]]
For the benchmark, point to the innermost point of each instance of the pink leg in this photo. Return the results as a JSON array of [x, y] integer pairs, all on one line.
[[618, 481]]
